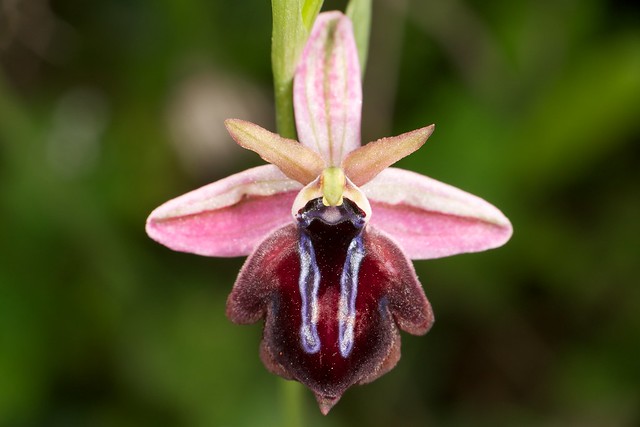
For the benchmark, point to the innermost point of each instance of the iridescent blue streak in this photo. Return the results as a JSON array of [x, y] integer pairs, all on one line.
[[348, 294], [309, 283]]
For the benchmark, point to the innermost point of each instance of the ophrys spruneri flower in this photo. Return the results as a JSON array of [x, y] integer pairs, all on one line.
[[329, 229]]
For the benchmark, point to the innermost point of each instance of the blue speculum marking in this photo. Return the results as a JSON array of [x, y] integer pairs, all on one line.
[[309, 283], [348, 294], [329, 230]]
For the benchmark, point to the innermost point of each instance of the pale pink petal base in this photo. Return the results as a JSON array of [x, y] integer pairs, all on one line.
[[228, 217], [430, 219]]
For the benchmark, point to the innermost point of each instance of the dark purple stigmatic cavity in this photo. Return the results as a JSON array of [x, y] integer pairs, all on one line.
[[326, 234]]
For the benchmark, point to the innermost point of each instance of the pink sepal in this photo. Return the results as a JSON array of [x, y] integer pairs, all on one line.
[[430, 219], [228, 217]]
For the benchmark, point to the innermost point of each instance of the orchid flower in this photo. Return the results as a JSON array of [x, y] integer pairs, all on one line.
[[329, 229]]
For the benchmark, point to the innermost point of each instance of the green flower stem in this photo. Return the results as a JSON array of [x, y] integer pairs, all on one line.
[[292, 403], [285, 123], [292, 22], [359, 11]]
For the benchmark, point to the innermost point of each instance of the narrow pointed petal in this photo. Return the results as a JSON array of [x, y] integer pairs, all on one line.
[[430, 219], [327, 89], [363, 164], [228, 217], [294, 159]]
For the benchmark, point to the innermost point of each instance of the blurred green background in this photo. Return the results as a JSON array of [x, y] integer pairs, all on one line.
[[109, 108]]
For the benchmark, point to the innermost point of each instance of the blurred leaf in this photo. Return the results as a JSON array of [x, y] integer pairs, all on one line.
[[359, 11], [292, 22], [310, 10], [583, 115]]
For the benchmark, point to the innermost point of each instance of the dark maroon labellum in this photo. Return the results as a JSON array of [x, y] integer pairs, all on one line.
[[333, 292]]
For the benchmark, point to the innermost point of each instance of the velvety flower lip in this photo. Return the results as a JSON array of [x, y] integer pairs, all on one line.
[[329, 228]]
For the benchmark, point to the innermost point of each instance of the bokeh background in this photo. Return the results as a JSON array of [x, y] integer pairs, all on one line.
[[110, 107]]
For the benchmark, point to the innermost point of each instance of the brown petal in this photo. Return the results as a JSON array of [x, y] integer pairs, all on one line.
[[363, 164], [294, 159]]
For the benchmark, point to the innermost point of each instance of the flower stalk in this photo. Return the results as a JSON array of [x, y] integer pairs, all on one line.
[[292, 22]]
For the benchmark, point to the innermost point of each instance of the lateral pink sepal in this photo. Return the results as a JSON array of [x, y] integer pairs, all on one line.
[[228, 217], [430, 219]]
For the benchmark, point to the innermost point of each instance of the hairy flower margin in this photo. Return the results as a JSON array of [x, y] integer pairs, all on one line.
[[329, 229]]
